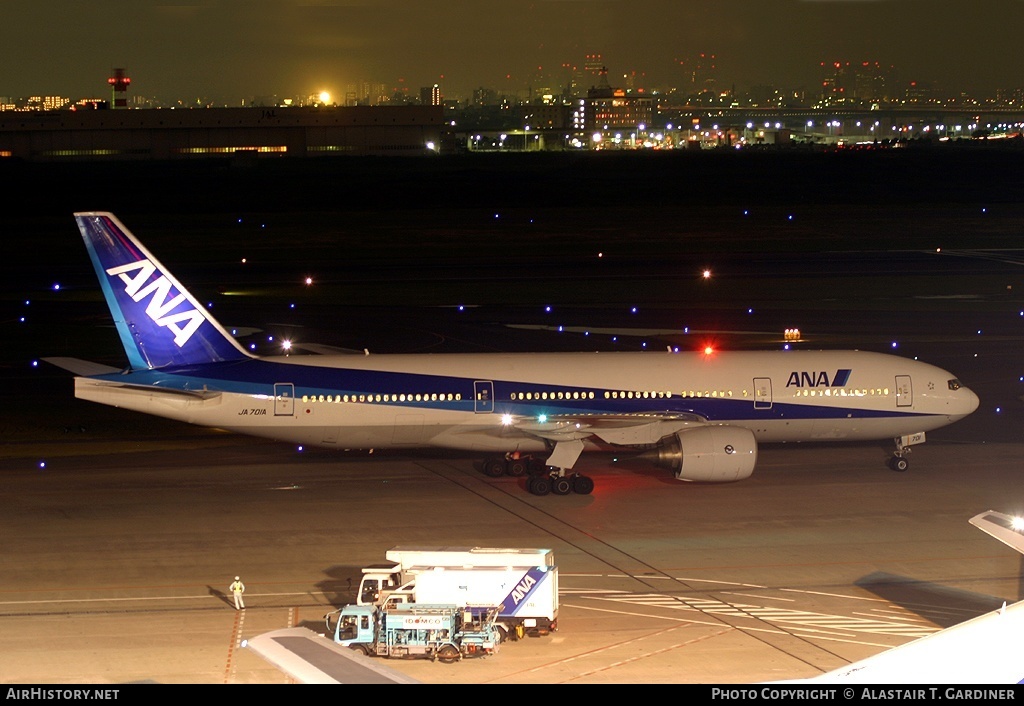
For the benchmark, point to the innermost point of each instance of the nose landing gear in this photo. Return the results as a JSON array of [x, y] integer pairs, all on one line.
[[899, 460]]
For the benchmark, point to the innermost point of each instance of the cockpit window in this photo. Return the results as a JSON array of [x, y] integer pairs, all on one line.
[[954, 384]]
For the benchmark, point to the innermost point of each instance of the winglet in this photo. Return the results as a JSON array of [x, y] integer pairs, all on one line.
[[159, 322]]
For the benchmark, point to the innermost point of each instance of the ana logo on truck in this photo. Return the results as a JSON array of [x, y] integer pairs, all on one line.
[[818, 379], [522, 589]]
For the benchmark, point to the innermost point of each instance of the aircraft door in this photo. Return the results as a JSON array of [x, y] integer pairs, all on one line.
[[904, 391], [284, 399], [762, 393], [483, 396]]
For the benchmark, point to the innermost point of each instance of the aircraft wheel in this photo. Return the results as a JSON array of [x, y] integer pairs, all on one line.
[[494, 467], [561, 486], [540, 485], [583, 485], [899, 463], [517, 467]]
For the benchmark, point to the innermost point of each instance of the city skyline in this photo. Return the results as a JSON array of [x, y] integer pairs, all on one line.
[[230, 52]]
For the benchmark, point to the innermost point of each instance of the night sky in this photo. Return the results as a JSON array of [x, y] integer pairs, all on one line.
[[230, 50]]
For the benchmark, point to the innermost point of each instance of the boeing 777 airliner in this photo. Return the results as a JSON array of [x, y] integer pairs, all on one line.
[[699, 415]]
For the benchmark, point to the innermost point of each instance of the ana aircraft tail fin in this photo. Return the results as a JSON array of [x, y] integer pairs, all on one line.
[[159, 322]]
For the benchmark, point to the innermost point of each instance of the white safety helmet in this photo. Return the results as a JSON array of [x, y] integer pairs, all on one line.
[[237, 579]]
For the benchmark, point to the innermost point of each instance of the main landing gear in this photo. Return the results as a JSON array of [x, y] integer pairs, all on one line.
[[496, 467], [560, 484], [542, 479]]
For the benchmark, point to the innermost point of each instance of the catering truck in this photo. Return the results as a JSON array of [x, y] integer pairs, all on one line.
[[443, 632], [521, 583]]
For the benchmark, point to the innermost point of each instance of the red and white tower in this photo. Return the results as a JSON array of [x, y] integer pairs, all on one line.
[[119, 83]]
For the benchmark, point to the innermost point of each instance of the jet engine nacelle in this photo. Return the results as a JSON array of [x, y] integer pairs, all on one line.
[[709, 454]]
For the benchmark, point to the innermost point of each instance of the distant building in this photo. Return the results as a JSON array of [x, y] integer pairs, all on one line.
[[920, 92], [211, 132], [55, 102], [547, 115], [700, 73], [608, 110], [846, 83], [593, 66], [366, 93], [484, 96], [119, 83], [430, 95]]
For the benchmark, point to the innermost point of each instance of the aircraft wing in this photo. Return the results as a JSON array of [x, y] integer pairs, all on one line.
[[636, 429], [1008, 530], [313, 659], [984, 650]]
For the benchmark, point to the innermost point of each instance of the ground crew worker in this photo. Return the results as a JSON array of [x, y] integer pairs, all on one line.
[[238, 588]]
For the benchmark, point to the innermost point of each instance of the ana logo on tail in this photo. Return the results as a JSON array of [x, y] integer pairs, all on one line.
[[159, 308]]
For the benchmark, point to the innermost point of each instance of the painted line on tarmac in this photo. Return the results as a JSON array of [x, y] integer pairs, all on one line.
[[233, 645], [676, 619], [809, 621], [139, 598], [630, 660]]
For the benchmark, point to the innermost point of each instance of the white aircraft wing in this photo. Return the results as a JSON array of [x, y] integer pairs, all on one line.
[[984, 650], [639, 429], [313, 659], [1008, 530]]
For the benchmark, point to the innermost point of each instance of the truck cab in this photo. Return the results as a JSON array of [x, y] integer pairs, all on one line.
[[352, 625], [378, 580]]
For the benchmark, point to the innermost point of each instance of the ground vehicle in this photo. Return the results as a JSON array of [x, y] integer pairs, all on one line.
[[522, 583], [443, 632]]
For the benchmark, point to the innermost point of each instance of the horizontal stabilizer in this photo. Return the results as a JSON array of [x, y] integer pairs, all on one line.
[[322, 349], [313, 659], [81, 367], [83, 386]]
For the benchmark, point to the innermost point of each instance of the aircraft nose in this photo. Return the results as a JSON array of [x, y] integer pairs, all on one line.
[[967, 402]]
